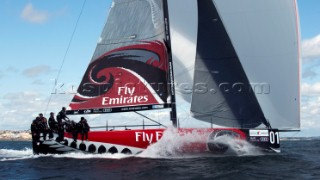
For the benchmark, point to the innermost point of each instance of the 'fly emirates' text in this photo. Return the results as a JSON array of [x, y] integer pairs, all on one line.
[[126, 97]]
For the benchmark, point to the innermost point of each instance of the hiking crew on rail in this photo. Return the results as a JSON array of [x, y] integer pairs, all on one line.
[[40, 126]]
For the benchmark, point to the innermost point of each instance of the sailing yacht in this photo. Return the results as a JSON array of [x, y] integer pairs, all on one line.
[[234, 64]]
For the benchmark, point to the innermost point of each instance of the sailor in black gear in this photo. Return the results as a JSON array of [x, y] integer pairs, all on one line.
[[74, 130], [35, 129], [61, 116], [44, 126], [53, 125], [85, 128]]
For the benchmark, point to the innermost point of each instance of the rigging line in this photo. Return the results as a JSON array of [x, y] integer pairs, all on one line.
[[65, 54], [149, 119]]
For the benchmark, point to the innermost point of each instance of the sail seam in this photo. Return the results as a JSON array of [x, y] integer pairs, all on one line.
[[152, 37]]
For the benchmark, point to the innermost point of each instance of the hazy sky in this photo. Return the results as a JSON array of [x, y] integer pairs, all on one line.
[[34, 38]]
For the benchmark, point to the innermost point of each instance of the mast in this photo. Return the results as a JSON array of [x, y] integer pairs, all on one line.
[[173, 113]]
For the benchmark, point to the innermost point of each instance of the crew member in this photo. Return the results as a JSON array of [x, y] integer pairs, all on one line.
[[44, 126], [74, 130], [35, 131], [85, 128], [61, 116], [53, 125]]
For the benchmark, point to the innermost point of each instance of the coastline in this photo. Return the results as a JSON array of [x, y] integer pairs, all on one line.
[[7, 135]]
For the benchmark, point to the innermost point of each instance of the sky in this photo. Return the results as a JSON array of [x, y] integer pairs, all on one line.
[[38, 39]]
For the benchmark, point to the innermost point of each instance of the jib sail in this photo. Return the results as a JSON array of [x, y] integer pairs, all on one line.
[[247, 64]]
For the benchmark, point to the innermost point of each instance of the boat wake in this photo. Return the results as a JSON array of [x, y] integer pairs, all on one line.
[[237, 147], [172, 145], [13, 155], [79, 155]]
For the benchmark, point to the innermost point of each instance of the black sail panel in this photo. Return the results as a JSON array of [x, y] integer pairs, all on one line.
[[222, 92]]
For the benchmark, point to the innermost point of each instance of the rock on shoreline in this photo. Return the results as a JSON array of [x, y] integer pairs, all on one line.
[[7, 135]]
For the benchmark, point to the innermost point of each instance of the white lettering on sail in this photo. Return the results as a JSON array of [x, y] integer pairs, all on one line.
[[158, 135], [148, 137], [126, 90], [126, 96]]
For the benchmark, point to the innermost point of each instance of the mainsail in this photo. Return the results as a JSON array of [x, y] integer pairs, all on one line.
[[129, 68]]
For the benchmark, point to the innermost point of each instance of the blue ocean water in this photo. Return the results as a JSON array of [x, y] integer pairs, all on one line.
[[299, 159]]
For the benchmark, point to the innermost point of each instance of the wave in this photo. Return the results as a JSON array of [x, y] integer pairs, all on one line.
[[13, 155], [80, 155]]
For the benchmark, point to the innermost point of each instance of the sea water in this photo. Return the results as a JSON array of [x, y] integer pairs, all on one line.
[[299, 159]]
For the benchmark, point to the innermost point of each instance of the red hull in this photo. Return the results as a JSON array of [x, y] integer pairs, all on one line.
[[141, 139], [182, 140]]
